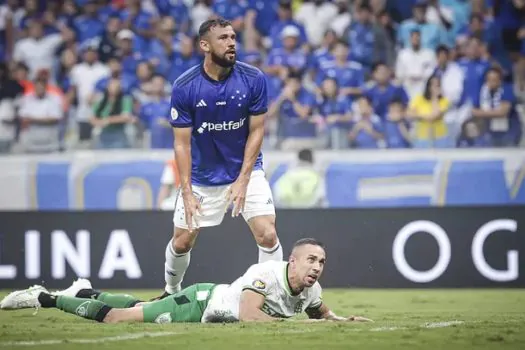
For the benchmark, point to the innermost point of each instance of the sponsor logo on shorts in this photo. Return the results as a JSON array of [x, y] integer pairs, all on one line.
[[163, 318], [259, 284], [82, 309]]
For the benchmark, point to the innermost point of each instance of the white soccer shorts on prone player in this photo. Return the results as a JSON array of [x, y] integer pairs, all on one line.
[[214, 202]]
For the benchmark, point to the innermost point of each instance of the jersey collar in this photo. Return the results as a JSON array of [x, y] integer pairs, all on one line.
[[207, 77]]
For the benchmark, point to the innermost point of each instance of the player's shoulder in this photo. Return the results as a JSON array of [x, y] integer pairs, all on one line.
[[268, 267], [188, 76], [248, 70]]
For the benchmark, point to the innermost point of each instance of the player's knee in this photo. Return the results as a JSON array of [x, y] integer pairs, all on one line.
[[268, 237], [182, 244], [112, 317]]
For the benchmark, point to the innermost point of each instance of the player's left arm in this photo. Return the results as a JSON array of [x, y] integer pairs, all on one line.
[[258, 110], [323, 312]]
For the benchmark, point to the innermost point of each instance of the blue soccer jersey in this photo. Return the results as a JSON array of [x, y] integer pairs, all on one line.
[[219, 113]]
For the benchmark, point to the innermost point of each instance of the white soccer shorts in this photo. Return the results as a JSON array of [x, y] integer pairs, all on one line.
[[214, 202]]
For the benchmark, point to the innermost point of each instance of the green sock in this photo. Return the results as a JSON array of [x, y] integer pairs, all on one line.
[[87, 308], [121, 301]]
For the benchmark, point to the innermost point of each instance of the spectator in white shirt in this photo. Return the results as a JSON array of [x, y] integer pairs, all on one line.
[[414, 65], [84, 76], [452, 78], [38, 51], [316, 17], [343, 18], [40, 115]]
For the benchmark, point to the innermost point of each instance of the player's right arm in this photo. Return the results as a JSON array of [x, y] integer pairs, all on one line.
[[257, 284], [182, 123], [250, 308]]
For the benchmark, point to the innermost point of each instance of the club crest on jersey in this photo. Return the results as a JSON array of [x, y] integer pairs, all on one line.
[[259, 284], [174, 114], [82, 309], [299, 307]]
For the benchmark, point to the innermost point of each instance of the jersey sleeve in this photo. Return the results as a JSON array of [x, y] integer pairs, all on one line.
[[259, 100], [259, 280], [316, 298], [180, 113]]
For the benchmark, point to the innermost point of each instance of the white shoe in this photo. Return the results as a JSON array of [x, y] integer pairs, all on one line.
[[72, 291], [23, 299]]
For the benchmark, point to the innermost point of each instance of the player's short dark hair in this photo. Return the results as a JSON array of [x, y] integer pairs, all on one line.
[[306, 155], [206, 26], [308, 241]]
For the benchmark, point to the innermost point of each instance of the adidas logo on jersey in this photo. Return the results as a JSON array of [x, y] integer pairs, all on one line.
[[202, 104], [224, 126]]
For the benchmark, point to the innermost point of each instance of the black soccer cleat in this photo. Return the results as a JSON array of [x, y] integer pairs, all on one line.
[[160, 297]]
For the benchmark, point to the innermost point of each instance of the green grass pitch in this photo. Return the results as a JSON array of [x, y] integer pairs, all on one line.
[[404, 319]]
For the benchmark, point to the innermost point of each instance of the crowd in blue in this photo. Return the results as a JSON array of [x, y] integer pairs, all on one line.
[[333, 79]]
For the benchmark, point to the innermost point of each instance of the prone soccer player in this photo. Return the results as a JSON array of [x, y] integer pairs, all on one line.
[[269, 291], [217, 112]]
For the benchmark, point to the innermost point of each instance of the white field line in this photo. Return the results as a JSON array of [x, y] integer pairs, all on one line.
[[133, 336], [130, 336], [427, 325]]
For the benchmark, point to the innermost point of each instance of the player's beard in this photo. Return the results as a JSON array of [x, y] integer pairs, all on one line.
[[223, 61]]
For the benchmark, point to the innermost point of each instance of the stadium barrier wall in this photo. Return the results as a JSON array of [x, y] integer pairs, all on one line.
[[130, 180], [376, 248]]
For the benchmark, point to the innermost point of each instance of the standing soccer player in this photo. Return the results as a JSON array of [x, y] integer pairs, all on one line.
[[217, 112]]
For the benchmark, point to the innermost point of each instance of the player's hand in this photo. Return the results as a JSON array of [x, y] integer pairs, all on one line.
[[237, 195], [192, 206], [358, 319]]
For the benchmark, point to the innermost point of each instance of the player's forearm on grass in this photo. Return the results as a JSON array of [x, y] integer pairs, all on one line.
[[323, 312], [253, 144], [182, 146], [256, 315]]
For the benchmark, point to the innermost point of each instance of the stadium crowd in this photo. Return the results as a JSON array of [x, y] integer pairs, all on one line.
[[340, 73]]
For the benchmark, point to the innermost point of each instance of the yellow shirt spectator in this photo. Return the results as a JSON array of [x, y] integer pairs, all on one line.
[[428, 129]]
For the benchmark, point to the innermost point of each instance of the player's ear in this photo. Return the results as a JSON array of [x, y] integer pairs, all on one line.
[[204, 45]]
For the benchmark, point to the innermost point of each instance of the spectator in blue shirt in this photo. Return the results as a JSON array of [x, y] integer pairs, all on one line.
[[496, 106], [333, 115], [293, 108], [509, 15], [475, 64], [431, 34], [183, 60], [323, 55], [285, 19], [140, 22], [361, 37], [108, 46], [396, 126], [177, 10], [155, 113], [349, 75], [261, 15], [127, 81], [289, 57], [130, 57], [367, 129], [382, 91], [88, 25], [232, 10], [474, 135]]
